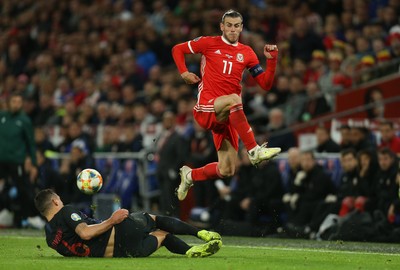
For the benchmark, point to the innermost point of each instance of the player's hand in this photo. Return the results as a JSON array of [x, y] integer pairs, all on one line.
[[119, 216], [299, 178], [271, 51], [190, 78], [293, 201]]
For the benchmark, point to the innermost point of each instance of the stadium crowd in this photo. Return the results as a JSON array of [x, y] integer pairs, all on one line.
[[98, 76]]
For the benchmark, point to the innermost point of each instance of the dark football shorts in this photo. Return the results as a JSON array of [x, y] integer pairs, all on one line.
[[132, 237]]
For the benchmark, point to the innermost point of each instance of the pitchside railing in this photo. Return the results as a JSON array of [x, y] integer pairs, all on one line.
[[132, 172], [138, 168]]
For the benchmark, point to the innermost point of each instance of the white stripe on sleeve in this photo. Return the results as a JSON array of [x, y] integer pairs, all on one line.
[[190, 47]]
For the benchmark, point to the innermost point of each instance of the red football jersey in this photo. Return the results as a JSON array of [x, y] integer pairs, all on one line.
[[222, 66]]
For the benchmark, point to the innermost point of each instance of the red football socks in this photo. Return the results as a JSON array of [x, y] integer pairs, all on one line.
[[239, 121], [207, 172]]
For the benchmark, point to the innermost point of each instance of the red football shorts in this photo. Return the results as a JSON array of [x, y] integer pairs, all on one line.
[[205, 116]]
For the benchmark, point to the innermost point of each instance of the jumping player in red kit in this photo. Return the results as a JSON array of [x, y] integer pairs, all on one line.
[[219, 105]]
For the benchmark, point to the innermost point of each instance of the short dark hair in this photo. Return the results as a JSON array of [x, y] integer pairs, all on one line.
[[387, 152], [232, 14], [43, 200], [348, 151], [309, 152], [344, 127], [387, 123], [15, 94]]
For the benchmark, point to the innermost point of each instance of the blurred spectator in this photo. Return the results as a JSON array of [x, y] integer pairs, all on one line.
[[317, 66], [368, 167], [145, 58], [304, 40], [48, 177], [296, 100], [63, 93], [14, 60], [170, 156], [133, 74], [394, 208], [310, 188], [279, 93], [334, 80], [354, 191], [293, 161], [345, 137], [278, 134], [109, 141], [365, 69], [316, 104], [325, 144], [46, 111], [42, 141], [374, 98], [253, 199], [130, 140], [388, 137], [394, 40], [385, 192], [103, 115], [360, 139], [75, 131]]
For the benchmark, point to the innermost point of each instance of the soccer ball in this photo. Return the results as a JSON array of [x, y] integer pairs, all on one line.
[[89, 181]]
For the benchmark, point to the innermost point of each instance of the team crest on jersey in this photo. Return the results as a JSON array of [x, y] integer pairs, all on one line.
[[239, 57], [75, 217], [196, 39]]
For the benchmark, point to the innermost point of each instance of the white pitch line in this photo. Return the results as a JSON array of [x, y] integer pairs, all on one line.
[[315, 250], [262, 247]]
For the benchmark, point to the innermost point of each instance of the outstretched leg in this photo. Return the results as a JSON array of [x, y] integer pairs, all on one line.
[[178, 246], [225, 167], [177, 226], [168, 226]]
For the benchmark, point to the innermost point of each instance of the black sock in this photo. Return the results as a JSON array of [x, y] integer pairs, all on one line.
[[175, 245], [175, 226]]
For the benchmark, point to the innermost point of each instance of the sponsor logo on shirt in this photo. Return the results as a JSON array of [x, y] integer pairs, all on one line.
[[229, 56], [239, 57], [217, 52], [75, 217]]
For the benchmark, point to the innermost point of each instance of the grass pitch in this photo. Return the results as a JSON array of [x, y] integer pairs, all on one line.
[[26, 249]]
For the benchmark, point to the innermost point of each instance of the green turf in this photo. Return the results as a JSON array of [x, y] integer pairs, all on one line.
[[27, 250]]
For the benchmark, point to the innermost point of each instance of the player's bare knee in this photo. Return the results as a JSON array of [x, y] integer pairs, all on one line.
[[227, 172], [234, 100]]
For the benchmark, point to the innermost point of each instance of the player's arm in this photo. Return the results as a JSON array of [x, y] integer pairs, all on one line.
[[178, 53], [266, 78], [87, 232]]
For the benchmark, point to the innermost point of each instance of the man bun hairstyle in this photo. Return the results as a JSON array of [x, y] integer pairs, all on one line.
[[232, 14]]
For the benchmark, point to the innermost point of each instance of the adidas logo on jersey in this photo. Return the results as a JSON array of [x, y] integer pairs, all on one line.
[[217, 52]]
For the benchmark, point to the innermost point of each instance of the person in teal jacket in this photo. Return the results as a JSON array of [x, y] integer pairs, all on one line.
[[16, 145]]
